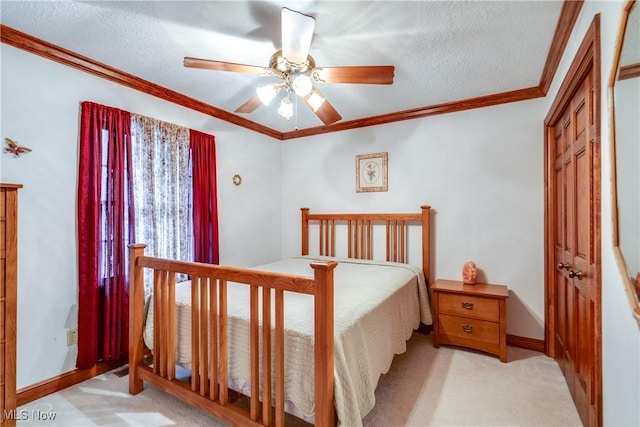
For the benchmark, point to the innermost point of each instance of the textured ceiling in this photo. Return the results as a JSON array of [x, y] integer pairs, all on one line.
[[442, 51]]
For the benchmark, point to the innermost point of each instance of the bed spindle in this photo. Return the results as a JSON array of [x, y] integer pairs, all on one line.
[[171, 325], [195, 343], [254, 383], [214, 342], [396, 241], [350, 239], [210, 323], [369, 240], [224, 345], [279, 336], [203, 355], [360, 239], [204, 336], [388, 239], [333, 238], [327, 237], [158, 321], [164, 314], [266, 356], [199, 335], [360, 245]]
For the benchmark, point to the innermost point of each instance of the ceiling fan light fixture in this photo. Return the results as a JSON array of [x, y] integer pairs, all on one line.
[[302, 85], [297, 32], [315, 101], [286, 108], [296, 72], [267, 93]]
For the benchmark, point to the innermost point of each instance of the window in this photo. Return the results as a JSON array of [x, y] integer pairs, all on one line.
[[162, 185]]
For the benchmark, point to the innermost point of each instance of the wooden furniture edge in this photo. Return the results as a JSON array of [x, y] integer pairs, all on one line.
[[8, 302], [423, 217], [60, 382], [491, 291], [525, 343], [587, 59], [163, 376], [568, 17]]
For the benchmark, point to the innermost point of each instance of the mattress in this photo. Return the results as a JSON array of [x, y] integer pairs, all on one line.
[[378, 305]]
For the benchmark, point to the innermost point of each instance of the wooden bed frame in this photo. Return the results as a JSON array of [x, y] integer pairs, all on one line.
[[209, 289]]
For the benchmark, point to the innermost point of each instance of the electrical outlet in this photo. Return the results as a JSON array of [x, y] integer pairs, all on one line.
[[72, 337]]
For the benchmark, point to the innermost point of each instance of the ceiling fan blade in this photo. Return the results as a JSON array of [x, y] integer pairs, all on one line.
[[209, 64], [374, 74], [250, 105], [325, 111], [297, 31]]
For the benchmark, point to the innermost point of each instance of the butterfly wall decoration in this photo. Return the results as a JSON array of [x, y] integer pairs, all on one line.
[[15, 148]]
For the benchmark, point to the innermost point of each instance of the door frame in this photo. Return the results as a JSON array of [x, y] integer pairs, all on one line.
[[587, 58]]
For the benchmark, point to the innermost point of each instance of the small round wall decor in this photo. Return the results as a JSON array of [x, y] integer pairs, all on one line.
[[237, 179]]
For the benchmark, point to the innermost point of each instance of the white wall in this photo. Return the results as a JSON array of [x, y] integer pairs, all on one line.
[[480, 170], [40, 109], [620, 332]]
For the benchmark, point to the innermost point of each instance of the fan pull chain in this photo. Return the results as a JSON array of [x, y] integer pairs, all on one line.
[[295, 126]]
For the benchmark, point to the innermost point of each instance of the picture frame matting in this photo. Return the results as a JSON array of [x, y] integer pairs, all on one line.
[[372, 172]]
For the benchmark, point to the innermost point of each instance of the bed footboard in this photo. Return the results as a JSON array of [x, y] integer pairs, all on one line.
[[207, 388]]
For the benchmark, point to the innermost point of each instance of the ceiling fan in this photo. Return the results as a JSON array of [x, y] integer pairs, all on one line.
[[298, 72]]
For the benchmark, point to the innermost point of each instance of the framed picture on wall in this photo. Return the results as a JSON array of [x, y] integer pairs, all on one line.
[[371, 172]]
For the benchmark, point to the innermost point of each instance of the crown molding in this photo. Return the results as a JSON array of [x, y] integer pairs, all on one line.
[[432, 110], [568, 16], [55, 53]]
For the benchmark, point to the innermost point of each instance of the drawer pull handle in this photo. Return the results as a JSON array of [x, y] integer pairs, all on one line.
[[467, 328], [467, 305]]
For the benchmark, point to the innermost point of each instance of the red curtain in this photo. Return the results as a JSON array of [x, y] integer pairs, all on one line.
[[205, 205], [105, 227]]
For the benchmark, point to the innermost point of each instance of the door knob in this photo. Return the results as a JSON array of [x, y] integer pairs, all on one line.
[[563, 265], [577, 274]]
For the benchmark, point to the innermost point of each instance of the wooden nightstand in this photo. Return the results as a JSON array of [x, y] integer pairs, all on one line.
[[473, 316]]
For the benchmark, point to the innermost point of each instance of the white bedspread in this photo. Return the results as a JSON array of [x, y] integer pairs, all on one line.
[[377, 307]]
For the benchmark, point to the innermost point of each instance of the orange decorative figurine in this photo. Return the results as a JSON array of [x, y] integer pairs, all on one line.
[[469, 273]]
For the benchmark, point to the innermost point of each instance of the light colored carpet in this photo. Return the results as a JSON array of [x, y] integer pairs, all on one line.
[[425, 387]]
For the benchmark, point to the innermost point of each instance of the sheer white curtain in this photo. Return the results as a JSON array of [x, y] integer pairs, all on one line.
[[162, 188]]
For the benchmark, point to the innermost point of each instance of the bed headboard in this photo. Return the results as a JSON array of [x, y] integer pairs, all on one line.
[[360, 234]]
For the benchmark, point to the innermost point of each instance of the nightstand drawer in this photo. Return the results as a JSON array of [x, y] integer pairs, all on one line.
[[469, 329], [470, 306]]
